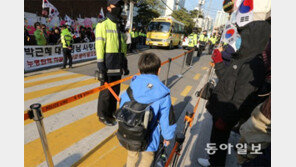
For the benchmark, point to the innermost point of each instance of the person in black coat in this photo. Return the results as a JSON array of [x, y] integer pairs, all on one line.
[[54, 36], [235, 95], [27, 37]]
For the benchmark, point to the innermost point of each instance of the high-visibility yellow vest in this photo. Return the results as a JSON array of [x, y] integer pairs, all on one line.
[[66, 38], [203, 38], [213, 40], [107, 45], [192, 40], [132, 34], [136, 34]]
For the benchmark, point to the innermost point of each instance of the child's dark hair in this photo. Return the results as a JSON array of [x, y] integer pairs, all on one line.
[[149, 63]]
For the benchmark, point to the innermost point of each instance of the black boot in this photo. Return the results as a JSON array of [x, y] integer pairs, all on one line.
[[107, 122]]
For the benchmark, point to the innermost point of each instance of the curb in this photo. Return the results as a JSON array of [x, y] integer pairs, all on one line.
[[196, 125]]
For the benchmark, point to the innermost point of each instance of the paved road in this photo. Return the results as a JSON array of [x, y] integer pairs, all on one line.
[[73, 130]]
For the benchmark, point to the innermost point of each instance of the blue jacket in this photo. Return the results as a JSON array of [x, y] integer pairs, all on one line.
[[159, 94]]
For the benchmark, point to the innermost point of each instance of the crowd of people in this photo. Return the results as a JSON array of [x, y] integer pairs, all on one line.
[[239, 102], [241, 99], [43, 36]]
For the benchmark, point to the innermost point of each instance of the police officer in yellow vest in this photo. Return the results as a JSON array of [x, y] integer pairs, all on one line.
[[137, 37], [144, 37], [141, 37], [133, 35], [202, 41], [212, 41], [67, 41], [111, 58], [191, 44]]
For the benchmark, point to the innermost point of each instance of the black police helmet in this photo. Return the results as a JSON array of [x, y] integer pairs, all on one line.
[[115, 2]]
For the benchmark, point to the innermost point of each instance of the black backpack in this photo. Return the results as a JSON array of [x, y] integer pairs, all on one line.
[[134, 121]]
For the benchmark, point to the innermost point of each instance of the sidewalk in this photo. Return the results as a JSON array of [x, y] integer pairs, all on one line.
[[199, 134]]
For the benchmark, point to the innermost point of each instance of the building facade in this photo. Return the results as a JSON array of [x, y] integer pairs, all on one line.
[[221, 18], [172, 5], [208, 23]]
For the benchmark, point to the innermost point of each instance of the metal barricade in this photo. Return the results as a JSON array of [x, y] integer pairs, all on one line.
[[35, 113]]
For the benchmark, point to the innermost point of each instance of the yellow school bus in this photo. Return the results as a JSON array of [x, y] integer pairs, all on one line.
[[165, 32]]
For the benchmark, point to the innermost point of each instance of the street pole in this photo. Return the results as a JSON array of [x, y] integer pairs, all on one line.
[[207, 12], [131, 14], [168, 71], [181, 70], [35, 113]]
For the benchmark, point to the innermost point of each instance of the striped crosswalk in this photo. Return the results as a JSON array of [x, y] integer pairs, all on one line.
[[72, 129]]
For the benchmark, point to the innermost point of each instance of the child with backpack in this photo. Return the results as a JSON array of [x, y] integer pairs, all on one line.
[[145, 113]]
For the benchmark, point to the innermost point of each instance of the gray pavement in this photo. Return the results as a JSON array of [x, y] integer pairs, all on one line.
[[183, 98], [199, 134], [175, 83]]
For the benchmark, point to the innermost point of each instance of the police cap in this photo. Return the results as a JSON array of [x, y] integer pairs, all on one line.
[[114, 2]]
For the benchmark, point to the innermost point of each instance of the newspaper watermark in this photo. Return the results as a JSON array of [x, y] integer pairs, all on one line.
[[241, 149]]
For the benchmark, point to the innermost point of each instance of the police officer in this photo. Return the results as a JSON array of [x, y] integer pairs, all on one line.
[[141, 37], [137, 37], [133, 35], [202, 41], [191, 44], [111, 58], [212, 41], [67, 41], [144, 37]]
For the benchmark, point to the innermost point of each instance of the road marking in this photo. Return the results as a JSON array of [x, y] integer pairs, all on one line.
[[110, 154], [79, 151], [197, 76], [204, 68], [43, 92], [61, 139], [45, 81], [48, 77], [186, 91], [44, 74], [173, 99], [74, 104], [53, 84]]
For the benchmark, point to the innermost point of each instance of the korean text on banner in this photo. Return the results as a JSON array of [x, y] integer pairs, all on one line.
[[37, 57]]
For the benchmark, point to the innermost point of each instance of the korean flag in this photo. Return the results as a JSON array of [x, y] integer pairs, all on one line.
[[229, 34], [245, 13]]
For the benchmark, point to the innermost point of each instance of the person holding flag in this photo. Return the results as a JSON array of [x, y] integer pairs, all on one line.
[[111, 58], [101, 15], [240, 81]]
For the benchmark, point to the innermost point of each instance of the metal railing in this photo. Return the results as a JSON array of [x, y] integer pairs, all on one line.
[[36, 110]]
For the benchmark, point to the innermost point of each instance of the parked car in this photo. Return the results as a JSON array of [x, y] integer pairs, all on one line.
[[185, 42]]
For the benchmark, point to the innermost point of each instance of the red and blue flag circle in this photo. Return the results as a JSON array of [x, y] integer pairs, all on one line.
[[229, 33], [246, 6]]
